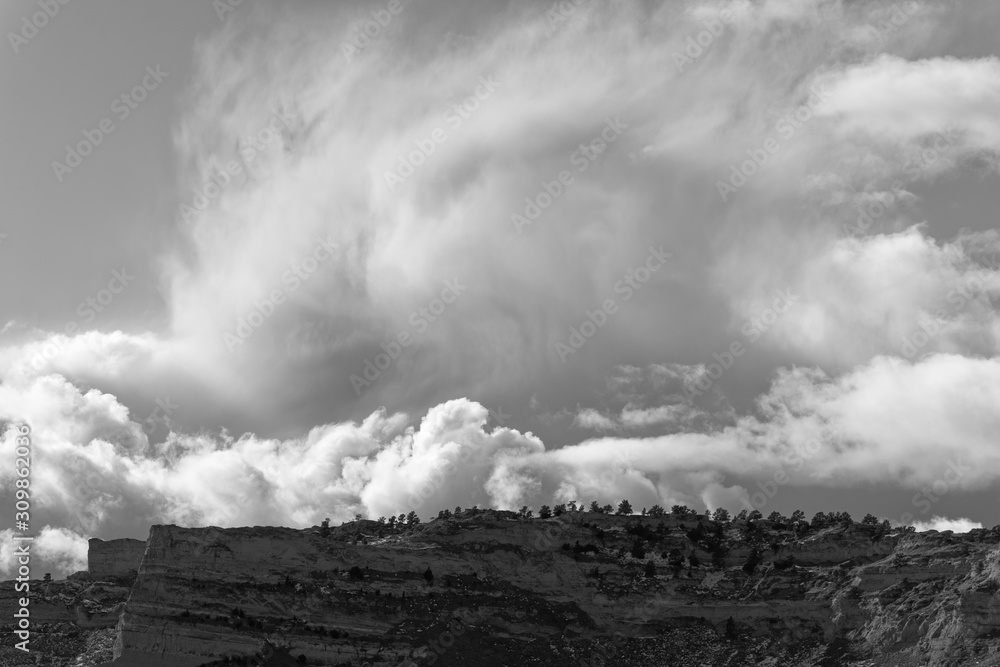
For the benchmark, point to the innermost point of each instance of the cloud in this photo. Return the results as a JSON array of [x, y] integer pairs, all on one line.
[[832, 377], [60, 551], [941, 523]]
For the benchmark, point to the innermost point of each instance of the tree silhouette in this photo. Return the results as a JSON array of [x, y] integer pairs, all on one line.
[[412, 519], [624, 508], [544, 512], [638, 550], [650, 568], [721, 515], [594, 507]]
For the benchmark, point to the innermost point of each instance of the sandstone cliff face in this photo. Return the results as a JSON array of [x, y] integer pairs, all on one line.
[[114, 558], [491, 589], [202, 594]]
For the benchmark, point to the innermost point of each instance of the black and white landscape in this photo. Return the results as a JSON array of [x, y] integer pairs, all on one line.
[[411, 332]]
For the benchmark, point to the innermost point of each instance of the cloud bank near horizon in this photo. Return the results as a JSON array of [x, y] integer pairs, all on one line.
[[438, 213]]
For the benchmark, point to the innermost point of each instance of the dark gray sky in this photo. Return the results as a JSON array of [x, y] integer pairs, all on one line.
[[499, 254]]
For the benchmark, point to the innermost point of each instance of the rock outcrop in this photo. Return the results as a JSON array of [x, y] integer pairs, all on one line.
[[110, 559], [490, 588]]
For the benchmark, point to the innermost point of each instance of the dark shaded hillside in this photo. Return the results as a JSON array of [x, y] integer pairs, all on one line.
[[496, 588]]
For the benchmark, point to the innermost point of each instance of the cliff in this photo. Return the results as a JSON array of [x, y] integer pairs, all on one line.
[[114, 558], [490, 588]]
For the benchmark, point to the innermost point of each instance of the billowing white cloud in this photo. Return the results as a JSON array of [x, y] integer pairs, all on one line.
[[373, 229], [941, 523]]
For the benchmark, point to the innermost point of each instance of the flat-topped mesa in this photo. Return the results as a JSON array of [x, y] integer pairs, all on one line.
[[551, 590], [114, 559]]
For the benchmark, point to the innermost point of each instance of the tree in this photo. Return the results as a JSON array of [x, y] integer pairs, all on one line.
[[624, 508], [412, 519], [324, 527], [544, 512], [731, 628], [47, 578], [693, 560], [656, 510], [571, 505], [679, 510], [676, 562], [638, 550], [798, 515], [819, 520], [559, 509], [775, 517], [525, 513], [594, 507], [755, 516], [429, 576], [753, 560], [721, 515], [359, 517], [607, 509], [870, 520], [356, 573], [742, 516], [650, 568], [391, 521], [381, 520], [401, 518]]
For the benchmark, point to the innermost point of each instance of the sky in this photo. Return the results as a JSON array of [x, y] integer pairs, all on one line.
[[272, 262]]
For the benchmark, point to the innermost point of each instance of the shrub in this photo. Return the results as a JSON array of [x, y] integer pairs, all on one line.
[[356, 573]]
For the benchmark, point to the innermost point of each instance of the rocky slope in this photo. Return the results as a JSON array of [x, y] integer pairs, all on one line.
[[489, 588]]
